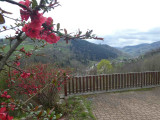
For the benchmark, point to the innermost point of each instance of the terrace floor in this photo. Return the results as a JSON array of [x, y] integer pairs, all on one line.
[[131, 105]]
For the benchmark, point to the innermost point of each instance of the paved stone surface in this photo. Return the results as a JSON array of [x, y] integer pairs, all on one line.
[[134, 105]]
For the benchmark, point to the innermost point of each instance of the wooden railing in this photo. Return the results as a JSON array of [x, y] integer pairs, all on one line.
[[84, 84]]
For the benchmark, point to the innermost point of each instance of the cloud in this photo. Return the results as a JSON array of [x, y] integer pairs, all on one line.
[[130, 37]]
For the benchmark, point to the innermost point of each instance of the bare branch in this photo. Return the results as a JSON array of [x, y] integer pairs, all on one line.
[[9, 53], [23, 6], [11, 18]]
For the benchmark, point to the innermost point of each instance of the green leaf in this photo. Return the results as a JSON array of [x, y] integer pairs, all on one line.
[[31, 105], [34, 4], [48, 110], [51, 116], [58, 116], [2, 21], [28, 108], [60, 34], [58, 26]]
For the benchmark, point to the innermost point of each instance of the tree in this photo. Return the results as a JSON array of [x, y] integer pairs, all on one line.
[[39, 29], [104, 66]]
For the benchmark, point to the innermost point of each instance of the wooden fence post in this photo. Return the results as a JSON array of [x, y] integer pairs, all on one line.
[[65, 86]]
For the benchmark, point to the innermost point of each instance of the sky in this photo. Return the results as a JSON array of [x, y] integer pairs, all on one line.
[[120, 22]]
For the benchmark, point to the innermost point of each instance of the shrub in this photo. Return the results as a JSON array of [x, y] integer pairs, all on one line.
[[45, 81]]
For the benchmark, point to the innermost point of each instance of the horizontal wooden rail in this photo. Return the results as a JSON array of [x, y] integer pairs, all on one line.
[[85, 84]]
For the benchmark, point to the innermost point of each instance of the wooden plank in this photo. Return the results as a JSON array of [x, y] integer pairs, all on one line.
[[84, 83], [100, 82], [139, 79], [80, 86], [76, 84], [93, 83], [153, 79], [119, 81], [146, 78], [131, 80], [103, 82], [116, 82], [136, 79], [150, 78], [107, 83], [73, 85], [110, 82], [97, 82], [87, 84], [128, 81], [69, 86], [156, 78], [142, 81], [122, 81], [113, 81], [65, 86], [90, 82]]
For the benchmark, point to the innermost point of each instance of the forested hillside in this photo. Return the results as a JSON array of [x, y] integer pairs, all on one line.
[[76, 51], [146, 62], [86, 50], [141, 49]]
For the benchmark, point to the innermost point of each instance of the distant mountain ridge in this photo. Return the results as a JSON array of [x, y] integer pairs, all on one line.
[[140, 49], [93, 51]]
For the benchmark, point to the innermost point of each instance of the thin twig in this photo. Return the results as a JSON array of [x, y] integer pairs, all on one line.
[[8, 29], [11, 18], [14, 68], [23, 6], [36, 93]]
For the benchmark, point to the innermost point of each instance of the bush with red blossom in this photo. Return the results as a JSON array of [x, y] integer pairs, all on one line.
[[37, 77]]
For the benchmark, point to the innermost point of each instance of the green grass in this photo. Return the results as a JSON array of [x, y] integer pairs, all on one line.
[[76, 107]]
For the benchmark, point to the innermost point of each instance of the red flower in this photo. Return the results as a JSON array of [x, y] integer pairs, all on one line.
[[51, 38], [26, 3], [12, 106], [24, 15], [58, 88], [3, 103], [28, 54], [15, 72], [22, 49], [17, 63], [4, 95], [37, 19], [49, 21], [4, 115], [25, 75], [40, 26]]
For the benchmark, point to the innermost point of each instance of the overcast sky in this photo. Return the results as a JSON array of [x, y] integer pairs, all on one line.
[[120, 22]]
